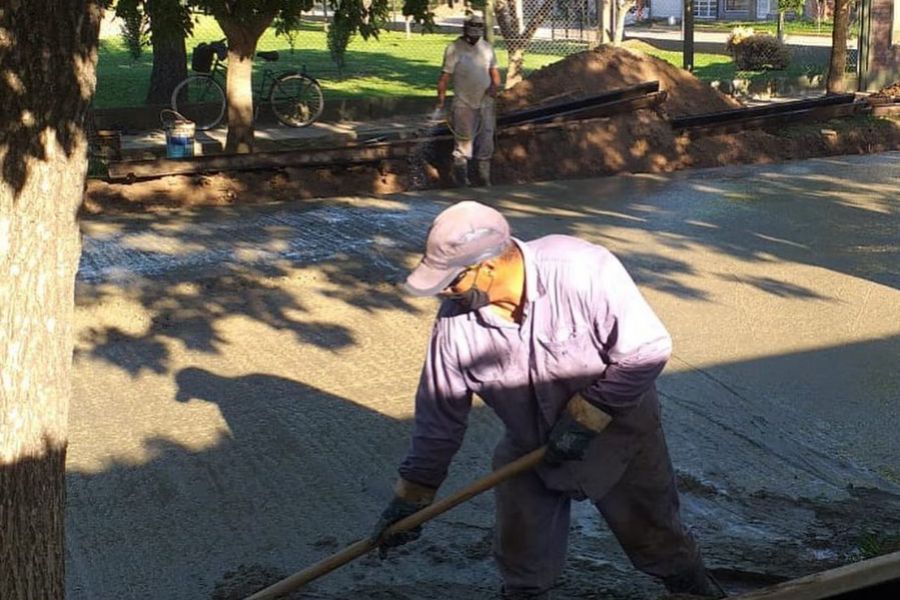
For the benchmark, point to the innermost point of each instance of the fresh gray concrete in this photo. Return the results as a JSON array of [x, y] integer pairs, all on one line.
[[244, 382]]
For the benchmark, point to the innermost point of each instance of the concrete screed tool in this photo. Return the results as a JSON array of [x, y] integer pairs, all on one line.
[[357, 549]]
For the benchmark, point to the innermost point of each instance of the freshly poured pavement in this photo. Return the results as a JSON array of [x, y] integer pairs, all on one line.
[[244, 381]]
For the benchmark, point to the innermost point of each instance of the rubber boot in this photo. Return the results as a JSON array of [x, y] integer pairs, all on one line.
[[696, 582], [461, 171], [484, 172]]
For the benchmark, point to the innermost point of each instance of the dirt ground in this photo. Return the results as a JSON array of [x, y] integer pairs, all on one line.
[[640, 142]]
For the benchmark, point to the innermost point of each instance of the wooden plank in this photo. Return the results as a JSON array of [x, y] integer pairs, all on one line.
[[350, 154], [886, 110], [827, 584]]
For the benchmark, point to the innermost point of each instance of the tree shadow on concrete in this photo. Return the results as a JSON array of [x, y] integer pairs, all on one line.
[[189, 273]]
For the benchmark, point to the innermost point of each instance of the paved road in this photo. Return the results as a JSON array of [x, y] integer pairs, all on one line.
[[244, 380]]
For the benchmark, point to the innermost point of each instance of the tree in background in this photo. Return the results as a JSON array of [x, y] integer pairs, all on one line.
[[48, 56], [167, 23], [834, 84], [622, 8], [518, 32], [244, 22], [784, 7]]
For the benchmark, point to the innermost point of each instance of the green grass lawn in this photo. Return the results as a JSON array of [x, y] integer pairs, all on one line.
[[712, 67], [390, 66]]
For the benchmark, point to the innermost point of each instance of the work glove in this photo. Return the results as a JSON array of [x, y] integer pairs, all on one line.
[[409, 498], [579, 423]]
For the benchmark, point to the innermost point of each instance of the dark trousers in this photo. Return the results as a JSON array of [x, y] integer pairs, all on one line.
[[626, 474]]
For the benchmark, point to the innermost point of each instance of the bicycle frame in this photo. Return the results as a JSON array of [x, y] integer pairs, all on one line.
[[260, 94]]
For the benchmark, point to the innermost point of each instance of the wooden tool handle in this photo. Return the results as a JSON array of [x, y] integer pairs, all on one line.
[[357, 549]]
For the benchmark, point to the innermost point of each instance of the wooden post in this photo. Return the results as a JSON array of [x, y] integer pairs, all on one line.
[[688, 30], [863, 44]]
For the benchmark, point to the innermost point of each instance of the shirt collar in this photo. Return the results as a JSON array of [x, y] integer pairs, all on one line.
[[534, 289]]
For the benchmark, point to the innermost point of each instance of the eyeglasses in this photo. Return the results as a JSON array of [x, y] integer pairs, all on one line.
[[457, 280]]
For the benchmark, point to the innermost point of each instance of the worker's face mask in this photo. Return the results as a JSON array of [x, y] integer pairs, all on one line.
[[473, 298], [473, 33]]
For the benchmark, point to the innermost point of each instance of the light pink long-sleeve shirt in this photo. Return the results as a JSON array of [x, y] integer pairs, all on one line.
[[585, 328]]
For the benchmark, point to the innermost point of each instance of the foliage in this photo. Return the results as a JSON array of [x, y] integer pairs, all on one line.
[[135, 26], [757, 51], [287, 26], [794, 6], [367, 18]]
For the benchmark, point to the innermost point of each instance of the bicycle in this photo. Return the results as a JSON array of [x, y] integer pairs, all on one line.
[[295, 97]]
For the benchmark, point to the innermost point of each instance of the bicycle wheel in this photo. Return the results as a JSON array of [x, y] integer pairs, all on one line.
[[296, 99], [200, 99]]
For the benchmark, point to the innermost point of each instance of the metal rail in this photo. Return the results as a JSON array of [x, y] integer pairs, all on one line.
[[738, 114]]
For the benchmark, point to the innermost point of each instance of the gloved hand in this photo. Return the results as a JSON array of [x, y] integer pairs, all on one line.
[[574, 430], [409, 498], [568, 440]]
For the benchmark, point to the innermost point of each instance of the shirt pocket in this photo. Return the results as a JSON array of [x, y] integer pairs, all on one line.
[[495, 373], [571, 357]]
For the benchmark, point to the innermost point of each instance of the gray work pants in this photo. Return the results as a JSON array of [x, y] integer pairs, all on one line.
[[628, 476], [473, 130]]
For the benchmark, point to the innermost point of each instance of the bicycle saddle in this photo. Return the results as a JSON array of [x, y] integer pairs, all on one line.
[[268, 56]]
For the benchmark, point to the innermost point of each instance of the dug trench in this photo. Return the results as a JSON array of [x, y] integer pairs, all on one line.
[[639, 142]]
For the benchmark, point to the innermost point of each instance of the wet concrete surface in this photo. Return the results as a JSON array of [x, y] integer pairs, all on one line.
[[244, 382]]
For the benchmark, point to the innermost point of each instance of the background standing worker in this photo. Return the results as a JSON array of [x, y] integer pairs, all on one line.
[[555, 337], [471, 62]]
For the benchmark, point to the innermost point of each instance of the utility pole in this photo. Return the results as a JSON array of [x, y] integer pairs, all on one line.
[[687, 23]]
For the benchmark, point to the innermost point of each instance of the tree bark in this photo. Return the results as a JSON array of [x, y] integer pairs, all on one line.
[[517, 39], [169, 53], [835, 84], [242, 33], [48, 53], [514, 68], [622, 8]]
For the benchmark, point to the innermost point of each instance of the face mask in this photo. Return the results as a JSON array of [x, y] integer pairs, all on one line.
[[472, 299], [472, 34]]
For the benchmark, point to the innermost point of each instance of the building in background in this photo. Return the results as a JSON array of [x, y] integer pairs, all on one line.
[[879, 51]]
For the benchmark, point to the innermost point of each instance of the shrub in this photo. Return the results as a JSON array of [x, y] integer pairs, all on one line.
[[757, 52]]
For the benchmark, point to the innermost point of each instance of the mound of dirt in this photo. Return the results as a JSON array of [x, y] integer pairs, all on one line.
[[608, 68], [890, 92]]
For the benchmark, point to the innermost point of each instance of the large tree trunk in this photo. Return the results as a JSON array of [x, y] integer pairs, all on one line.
[[48, 53], [514, 68], [243, 33], [169, 54], [838, 63]]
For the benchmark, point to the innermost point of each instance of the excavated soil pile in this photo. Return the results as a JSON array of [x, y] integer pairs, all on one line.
[[608, 68], [891, 92]]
